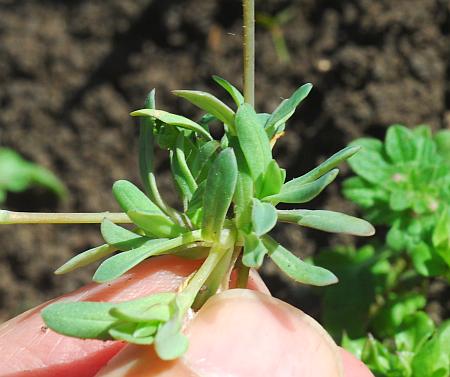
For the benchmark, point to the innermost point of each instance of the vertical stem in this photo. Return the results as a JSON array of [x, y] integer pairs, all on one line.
[[249, 50]]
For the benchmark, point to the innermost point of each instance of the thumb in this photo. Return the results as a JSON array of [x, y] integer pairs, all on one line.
[[241, 333], [28, 348]]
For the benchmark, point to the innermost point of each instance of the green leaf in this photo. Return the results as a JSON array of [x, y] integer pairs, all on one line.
[[441, 233], [302, 193], [414, 332], [119, 237], [146, 143], [370, 163], [116, 266], [433, 359], [180, 170], [93, 319], [359, 191], [85, 258], [159, 312], [203, 158], [238, 98], [264, 217], [209, 103], [426, 261], [399, 144], [170, 343], [221, 184], [400, 200], [125, 332], [328, 221], [155, 224], [285, 110], [173, 120], [442, 139], [295, 268], [325, 166], [254, 251], [254, 142], [131, 198], [273, 180]]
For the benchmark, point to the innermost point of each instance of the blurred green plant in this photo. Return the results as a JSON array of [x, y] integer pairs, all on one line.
[[17, 175], [274, 25], [404, 183]]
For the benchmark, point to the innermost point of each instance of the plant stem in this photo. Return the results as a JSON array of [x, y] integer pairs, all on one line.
[[10, 217], [243, 272], [249, 50]]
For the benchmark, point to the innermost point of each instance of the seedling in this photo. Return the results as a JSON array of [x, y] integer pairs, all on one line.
[[17, 175], [229, 189], [404, 183]]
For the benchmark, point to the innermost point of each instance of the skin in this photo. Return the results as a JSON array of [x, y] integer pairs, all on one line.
[[253, 334]]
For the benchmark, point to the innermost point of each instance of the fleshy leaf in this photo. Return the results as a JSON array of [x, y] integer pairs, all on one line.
[[146, 141], [400, 144], [302, 193], [155, 224], [264, 217], [119, 237], [238, 98], [221, 184], [125, 332], [325, 166], [180, 171], [93, 319], [285, 110], [295, 268], [254, 251], [203, 158], [273, 180], [159, 312], [209, 103], [253, 141], [85, 258], [130, 197], [328, 221], [117, 265], [173, 120]]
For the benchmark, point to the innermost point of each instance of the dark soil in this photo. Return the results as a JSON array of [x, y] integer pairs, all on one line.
[[70, 72]]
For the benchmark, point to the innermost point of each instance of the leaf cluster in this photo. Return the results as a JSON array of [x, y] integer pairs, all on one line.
[[229, 189], [17, 175], [404, 183]]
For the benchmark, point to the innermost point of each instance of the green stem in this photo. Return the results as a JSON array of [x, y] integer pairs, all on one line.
[[249, 50], [187, 297], [10, 217], [243, 272]]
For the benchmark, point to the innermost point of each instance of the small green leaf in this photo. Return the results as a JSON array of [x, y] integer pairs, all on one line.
[[302, 193], [85, 258], [195, 207], [130, 197], [273, 180], [328, 221], [116, 266], [238, 98], [285, 110], [170, 343], [221, 184], [325, 166], [254, 251], [146, 141], [209, 103], [295, 268], [254, 142], [441, 233], [119, 237], [203, 158], [414, 331], [264, 217], [159, 312], [426, 261], [92, 319], [433, 359], [155, 224], [125, 332], [399, 144], [180, 170], [442, 139], [173, 120]]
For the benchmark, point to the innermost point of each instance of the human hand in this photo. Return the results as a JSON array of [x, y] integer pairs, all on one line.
[[237, 333]]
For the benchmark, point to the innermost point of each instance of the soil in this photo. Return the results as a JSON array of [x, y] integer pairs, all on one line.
[[70, 72]]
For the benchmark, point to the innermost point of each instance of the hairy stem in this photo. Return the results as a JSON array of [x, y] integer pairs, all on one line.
[[10, 217], [249, 50]]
